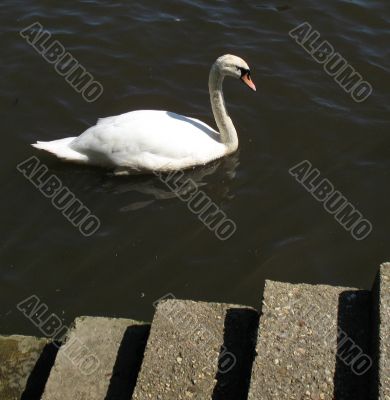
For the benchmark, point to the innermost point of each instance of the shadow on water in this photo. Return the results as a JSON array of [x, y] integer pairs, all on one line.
[[353, 372], [128, 363], [236, 355]]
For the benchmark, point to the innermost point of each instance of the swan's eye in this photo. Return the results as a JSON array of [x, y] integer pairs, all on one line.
[[244, 71]]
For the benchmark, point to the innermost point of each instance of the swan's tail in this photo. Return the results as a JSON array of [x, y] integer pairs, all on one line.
[[62, 150]]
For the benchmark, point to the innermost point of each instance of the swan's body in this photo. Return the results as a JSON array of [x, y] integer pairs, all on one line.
[[148, 140], [172, 142]]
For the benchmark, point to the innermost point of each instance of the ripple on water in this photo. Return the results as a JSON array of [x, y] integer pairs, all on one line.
[[157, 55]]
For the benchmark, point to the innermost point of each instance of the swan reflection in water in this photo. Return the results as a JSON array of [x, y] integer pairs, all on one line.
[[152, 188]]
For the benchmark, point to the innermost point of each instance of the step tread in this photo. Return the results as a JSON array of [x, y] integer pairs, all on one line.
[[18, 358], [297, 342], [198, 351], [100, 359]]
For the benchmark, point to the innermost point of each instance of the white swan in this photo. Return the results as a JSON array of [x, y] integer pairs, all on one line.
[[149, 140]]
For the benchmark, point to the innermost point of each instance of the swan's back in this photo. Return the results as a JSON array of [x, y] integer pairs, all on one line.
[[149, 139]]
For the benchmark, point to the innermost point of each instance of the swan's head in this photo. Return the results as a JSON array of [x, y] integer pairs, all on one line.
[[229, 65]]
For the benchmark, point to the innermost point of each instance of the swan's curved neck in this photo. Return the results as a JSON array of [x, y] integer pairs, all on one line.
[[225, 124]]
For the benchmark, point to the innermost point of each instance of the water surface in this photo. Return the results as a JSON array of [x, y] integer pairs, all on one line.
[[157, 55]]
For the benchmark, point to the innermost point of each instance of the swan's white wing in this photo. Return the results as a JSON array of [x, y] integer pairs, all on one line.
[[148, 139]]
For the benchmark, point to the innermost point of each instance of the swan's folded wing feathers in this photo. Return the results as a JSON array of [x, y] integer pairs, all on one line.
[[150, 139]]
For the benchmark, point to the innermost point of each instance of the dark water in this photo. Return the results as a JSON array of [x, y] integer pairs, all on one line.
[[156, 55]]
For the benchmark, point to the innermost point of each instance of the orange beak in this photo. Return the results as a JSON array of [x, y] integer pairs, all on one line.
[[248, 81]]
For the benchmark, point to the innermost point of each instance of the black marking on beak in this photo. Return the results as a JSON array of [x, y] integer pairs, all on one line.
[[245, 71]]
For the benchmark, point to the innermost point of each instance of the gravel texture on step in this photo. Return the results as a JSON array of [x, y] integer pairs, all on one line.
[[100, 359], [304, 341]]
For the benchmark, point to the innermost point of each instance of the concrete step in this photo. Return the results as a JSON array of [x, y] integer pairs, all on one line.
[[313, 343], [100, 359], [381, 337], [198, 351], [25, 363]]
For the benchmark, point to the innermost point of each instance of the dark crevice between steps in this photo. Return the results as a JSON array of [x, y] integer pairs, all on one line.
[[375, 338], [354, 359], [128, 363], [40, 373], [236, 354]]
